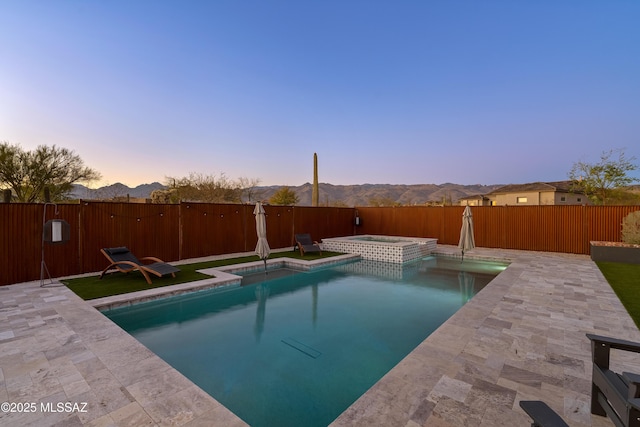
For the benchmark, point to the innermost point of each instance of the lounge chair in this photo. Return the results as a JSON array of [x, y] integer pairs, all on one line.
[[124, 261], [305, 244], [614, 395]]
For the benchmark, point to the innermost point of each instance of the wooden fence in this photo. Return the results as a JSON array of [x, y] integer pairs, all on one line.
[[191, 230], [566, 229], [169, 232]]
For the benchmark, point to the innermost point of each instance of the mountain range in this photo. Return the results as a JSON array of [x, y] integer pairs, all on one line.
[[344, 195]]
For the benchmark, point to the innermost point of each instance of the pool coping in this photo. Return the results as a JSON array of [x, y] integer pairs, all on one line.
[[521, 337], [222, 277]]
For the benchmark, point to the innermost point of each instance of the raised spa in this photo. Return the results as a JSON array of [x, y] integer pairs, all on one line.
[[394, 249]]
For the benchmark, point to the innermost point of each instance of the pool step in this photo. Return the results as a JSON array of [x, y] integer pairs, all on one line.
[[311, 352]]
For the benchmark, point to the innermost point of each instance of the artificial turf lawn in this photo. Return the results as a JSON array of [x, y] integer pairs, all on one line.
[[119, 283], [625, 282]]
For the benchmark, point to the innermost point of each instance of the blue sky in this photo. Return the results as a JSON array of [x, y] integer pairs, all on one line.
[[399, 92]]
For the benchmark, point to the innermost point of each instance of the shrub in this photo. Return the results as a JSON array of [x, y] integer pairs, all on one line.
[[631, 228]]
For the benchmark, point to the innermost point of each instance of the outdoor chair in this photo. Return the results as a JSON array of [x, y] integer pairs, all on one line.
[[124, 261], [612, 394], [305, 244], [541, 414]]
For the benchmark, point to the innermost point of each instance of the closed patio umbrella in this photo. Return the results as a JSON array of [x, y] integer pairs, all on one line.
[[467, 242], [262, 247]]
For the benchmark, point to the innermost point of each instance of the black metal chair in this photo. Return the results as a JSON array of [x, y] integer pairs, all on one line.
[[614, 395], [541, 414]]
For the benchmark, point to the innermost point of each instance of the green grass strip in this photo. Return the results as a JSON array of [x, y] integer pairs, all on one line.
[[93, 287], [625, 282]]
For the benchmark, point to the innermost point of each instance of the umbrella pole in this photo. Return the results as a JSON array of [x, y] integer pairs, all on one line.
[[265, 266]]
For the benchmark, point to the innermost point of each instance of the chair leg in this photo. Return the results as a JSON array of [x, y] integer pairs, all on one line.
[[146, 275], [596, 407], [634, 418]]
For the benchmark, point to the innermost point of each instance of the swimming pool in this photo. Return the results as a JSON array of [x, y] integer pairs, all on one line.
[[299, 349]]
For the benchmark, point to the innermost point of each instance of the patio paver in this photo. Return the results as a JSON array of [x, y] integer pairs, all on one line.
[[521, 337]]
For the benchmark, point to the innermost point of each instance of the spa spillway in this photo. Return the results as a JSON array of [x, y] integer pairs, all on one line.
[[394, 249]]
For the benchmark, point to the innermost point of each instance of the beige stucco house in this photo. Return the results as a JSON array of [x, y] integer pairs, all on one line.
[[535, 193], [475, 200]]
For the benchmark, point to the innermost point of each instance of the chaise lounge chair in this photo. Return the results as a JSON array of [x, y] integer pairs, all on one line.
[[124, 261], [305, 244]]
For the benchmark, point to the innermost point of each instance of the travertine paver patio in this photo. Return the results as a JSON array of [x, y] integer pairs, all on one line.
[[522, 337]]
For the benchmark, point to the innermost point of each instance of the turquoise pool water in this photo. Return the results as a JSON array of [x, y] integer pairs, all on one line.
[[301, 347]]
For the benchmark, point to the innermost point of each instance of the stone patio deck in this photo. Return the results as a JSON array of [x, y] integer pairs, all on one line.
[[521, 338]]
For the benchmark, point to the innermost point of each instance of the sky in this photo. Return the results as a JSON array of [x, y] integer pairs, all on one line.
[[385, 92]]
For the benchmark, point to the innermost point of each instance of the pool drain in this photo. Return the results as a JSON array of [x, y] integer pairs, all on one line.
[[309, 351]]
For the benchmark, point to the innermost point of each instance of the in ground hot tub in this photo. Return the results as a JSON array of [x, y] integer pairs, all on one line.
[[382, 248]]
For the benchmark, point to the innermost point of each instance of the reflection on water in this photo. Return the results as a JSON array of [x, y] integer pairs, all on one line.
[[467, 283], [262, 294]]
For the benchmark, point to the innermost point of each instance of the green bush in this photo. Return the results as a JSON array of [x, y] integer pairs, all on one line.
[[631, 228]]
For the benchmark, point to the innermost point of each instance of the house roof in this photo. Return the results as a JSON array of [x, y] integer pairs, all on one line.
[[560, 186]]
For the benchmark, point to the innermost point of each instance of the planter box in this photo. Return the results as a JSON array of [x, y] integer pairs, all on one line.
[[615, 252]]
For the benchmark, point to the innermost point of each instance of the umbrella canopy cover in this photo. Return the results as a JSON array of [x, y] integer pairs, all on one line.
[[467, 241], [262, 247]]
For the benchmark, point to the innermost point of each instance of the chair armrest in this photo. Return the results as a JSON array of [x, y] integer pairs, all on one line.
[[542, 414], [630, 377], [635, 403], [615, 343], [633, 383], [116, 265]]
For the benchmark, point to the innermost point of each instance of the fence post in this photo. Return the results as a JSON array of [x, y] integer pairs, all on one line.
[[6, 196], [81, 236], [180, 239]]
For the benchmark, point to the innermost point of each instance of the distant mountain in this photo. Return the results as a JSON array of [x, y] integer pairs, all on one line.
[[345, 195], [363, 195], [115, 190]]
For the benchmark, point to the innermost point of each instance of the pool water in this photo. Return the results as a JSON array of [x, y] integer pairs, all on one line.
[[301, 347]]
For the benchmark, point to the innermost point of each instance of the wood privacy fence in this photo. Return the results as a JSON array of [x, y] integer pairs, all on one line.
[[191, 230], [169, 232], [566, 229]]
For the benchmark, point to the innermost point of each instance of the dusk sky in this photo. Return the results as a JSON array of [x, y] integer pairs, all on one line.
[[386, 92]]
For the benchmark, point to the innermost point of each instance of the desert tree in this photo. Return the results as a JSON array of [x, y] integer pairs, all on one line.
[[383, 201], [164, 196], [248, 189], [198, 187], [599, 181], [284, 196], [28, 173]]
